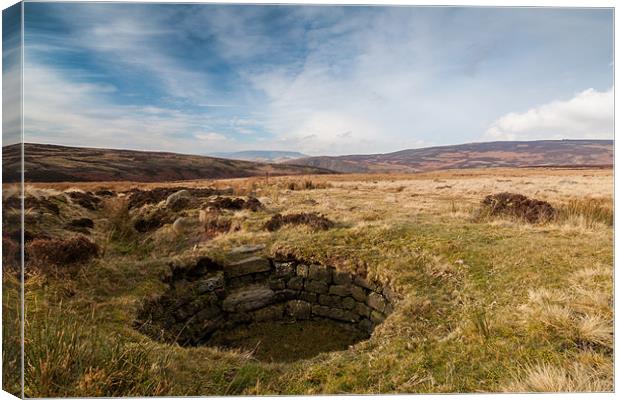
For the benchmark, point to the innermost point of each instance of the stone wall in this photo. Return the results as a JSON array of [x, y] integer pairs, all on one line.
[[206, 297]]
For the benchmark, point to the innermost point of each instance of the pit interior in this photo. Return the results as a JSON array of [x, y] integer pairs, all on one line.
[[279, 310]]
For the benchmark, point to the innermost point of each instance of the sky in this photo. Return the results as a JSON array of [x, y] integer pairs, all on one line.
[[322, 80]]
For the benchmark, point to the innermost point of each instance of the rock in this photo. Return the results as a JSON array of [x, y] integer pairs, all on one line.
[[286, 294], [299, 309], [309, 297], [334, 313], [340, 290], [331, 301], [302, 270], [270, 313], [359, 281], [377, 317], [284, 269], [248, 248], [320, 273], [178, 200], [182, 225], [316, 286], [366, 326], [248, 298], [348, 303], [376, 301], [247, 266], [362, 309], [277, 283], [342, 278], [211, 284], [358, 293], [296, 283]]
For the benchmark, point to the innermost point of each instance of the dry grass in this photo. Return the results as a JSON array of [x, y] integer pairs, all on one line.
[[487, 305], [547, 378]]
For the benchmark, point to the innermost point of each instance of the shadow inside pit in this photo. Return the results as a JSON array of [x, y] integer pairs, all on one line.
[[286, 342]]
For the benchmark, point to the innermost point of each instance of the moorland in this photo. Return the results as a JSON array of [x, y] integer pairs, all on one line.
[[466, 285]]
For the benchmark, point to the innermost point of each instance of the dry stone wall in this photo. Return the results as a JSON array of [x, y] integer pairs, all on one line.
[[205, 297]]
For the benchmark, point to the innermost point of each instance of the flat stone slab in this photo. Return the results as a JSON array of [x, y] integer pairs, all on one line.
[[247, 266], [248, 298], [247, 248]]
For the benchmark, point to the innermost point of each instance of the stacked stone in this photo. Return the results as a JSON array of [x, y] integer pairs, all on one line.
[[257, 289]]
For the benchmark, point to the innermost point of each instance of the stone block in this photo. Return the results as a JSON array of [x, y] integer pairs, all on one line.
[[302, 270], [276, 283], [286, 294], [366, 326], [348, 303], [210, 284], [320, 273], [365, 283], [247, 266], [362, 309], [269, 313], [309, 297], [331, 301], [299, 309], [248, 298], [316, 286], [376, 301], [340, 290], [377, 317], [284, 269], [295, 283], [342, 278], [358, 293]]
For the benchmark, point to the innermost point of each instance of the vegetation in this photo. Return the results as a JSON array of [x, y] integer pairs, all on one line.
[[490, 304]]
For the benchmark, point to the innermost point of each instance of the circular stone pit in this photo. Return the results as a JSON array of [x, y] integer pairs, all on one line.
[[281, 310]]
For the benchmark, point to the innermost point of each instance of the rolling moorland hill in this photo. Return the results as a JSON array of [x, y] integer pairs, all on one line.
[[261, 155], [562, 153], [52, 163]]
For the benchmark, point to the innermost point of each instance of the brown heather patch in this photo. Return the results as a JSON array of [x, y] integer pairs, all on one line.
[[517, 206], [313, 220], [57, 252], [228, 203]]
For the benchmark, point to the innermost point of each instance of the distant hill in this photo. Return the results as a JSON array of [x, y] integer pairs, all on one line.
[[564, 153], [51, 163], [261, 155]]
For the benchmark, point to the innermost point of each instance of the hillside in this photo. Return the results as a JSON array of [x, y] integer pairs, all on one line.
[[51, 163], [473, 155], [261, 155]]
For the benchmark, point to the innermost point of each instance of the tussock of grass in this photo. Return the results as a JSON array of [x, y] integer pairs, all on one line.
[[586, 213], [548, 378]]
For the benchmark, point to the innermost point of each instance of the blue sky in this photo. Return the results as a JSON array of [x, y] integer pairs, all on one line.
[[320, 80]]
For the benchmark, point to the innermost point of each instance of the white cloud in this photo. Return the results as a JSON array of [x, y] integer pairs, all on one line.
[[590, 114]]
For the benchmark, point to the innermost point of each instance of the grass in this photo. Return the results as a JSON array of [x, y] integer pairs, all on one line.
[[487, 305]]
